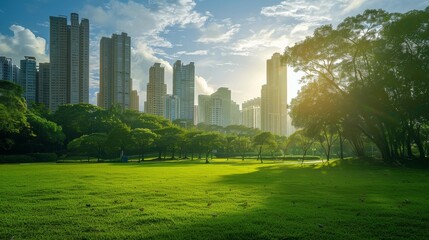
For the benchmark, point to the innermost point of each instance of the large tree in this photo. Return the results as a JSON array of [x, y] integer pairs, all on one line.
[[263, 139], [12, 113], [377, 63], [143, 138]]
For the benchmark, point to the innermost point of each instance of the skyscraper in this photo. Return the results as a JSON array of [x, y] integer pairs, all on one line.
[[156, 91], [6, 69], [43, 84], [251, 113], [218, 108], [28, 78], [69, 59], [134, 100], [171, 107], [184, 88], [274, 97], [115, 71]]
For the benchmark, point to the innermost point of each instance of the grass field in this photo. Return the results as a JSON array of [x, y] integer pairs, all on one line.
[[221, 200]]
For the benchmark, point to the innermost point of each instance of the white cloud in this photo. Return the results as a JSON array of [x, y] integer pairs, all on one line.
[[194, 53], [266, 38], [23, 43], [202, 86], [135, 18], [218, 32], [301, 10], [352, 5]]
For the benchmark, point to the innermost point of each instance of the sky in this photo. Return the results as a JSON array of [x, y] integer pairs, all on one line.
[[228, 40]]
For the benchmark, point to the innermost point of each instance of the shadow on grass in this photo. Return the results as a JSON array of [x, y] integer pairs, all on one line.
[[339, 200]]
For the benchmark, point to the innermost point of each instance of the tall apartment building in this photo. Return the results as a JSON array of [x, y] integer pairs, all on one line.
[[134, 100], [6, 69], [251, 113], [218, 109], [28, 78], [16, 72], [156, 91], [236, 118], [69, 58], [274, 97], [184, 88], [171, 107], [43, 87], [115, 71]]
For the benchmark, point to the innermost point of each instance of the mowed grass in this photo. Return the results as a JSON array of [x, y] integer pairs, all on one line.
[[221, 200]]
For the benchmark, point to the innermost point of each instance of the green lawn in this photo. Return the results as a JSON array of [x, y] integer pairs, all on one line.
[[221, 200]]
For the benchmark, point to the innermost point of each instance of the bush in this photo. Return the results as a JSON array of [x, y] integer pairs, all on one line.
[[44, 157], [30, 158]]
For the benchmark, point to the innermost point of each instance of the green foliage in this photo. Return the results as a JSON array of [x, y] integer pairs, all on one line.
[[29, 158], [207, 142], [369, 76], [142, 139], [12, 113], [264, 139]]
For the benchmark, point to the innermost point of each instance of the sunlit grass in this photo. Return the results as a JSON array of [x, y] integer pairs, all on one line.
[[221, 200]]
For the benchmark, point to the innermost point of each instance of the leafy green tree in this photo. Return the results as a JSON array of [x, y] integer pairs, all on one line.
[[169, 139], [228, 144], [302, 140], [143, 138], [119, 139], [242, 144], [42, 135], [208, 141], [81, 119], [191, 144], [91, 145], [12, 113], [136, 119], [263, 139]]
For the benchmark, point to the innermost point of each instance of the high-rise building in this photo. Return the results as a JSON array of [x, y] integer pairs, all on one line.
[[184, 88], [115, 71], [69, 58], [203, 108], [251, 113], [84, 61], [218, 108], [28, 78], [171, 107], [235, 114], [134, 100], [274, 97], [156, 91], [6, 69], [16, 72], [43, 83]]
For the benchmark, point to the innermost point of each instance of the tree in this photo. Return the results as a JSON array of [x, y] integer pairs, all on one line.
[[242, 145], [169, 139], [83, 119], [376, 63], [12, 113], [228, 140], [92, 145], [301, 139], [42, 135], [119, 139], [263, 139], [143, 138], [208, 141]]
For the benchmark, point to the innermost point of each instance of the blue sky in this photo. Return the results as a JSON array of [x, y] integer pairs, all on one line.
[[229, 40]]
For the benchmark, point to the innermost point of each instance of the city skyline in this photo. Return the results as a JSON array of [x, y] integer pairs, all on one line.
[[235, 36]]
